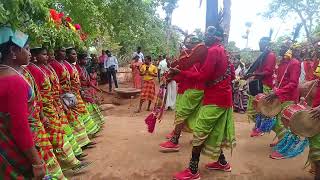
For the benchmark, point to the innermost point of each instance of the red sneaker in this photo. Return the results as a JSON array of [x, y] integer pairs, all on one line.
[[218, 166], [168, 146], [170, 135], [276, 155], [255, 133], [186, 175]]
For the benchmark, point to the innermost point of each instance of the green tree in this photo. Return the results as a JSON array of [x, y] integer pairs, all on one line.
[[17, 13], [307, 11], [248, 55], [231, 47]]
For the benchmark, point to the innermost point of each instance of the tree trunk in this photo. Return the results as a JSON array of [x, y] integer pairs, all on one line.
[[304, 23], [212, 13], [226, 19]]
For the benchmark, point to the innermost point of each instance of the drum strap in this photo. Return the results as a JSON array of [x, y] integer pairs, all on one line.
[[285, 72], [221, 78]]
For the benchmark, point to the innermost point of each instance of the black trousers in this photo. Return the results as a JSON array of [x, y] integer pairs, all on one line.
[[112, 74]]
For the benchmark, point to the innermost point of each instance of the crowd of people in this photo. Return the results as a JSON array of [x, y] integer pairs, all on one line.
[[215, 85], [49, 112]]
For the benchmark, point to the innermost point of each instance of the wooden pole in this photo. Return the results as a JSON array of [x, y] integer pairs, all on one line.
[[226, 19], [212, 13]]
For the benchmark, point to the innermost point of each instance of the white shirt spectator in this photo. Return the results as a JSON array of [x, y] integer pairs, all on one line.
[[140, 54], [111, 61], [163, 66], [303, 74]]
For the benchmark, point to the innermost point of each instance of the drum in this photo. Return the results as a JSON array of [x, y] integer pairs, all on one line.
[[255, 87], [304, 89], [269, 109], [298, 118]]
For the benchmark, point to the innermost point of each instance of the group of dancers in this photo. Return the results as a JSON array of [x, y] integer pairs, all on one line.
[[49, 109], [204, 102]]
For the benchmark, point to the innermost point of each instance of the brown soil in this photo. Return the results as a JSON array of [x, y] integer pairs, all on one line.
[[126, 151]]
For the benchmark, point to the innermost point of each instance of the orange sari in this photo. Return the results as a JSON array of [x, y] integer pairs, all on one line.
[[136, 78]]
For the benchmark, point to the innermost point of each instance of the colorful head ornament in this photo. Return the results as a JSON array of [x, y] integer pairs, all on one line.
[[296, 46], [17, 37]]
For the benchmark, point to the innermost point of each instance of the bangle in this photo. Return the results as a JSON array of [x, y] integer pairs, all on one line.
[[38, 165]]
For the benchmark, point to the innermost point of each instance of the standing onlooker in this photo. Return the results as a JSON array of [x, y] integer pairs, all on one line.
[[135, 66], [163, 66], [111, 65], [102, 60], [149, 72], [139, 53], [240, 96], [171, 93]]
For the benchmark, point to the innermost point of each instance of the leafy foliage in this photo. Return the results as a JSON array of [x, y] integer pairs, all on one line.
[[118, 25], [305, 10]]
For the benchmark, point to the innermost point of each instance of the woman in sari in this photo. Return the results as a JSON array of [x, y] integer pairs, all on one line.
[[60, 108], [136, 77], [19, 157], [38, 122], [63, 75], [58, 137], [91, 127], [88, 90]]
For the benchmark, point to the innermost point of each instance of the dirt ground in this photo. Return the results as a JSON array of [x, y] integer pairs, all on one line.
[[126, 151]]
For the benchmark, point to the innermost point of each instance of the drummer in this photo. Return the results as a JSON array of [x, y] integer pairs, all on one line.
[[314, 142], [262, 69], [286, 87]]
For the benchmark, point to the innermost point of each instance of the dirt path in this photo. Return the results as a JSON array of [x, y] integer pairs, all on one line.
[[126, 151]]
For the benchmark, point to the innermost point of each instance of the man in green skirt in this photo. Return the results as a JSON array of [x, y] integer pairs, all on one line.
[[190, 94], [188, 104], [263, 70], [214, 127]]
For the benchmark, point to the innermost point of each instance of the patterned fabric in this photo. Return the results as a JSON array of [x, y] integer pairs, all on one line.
[[190, 103], [69, 138], [14, 165], [56, 131], [66, 157], [95, 113], [41, 138], [291, 145], [240, 96], [75, 123], [88, 93], [83, 115], [56, 91], [148, 90], [72, 140], [214, 130], [55, 128]]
